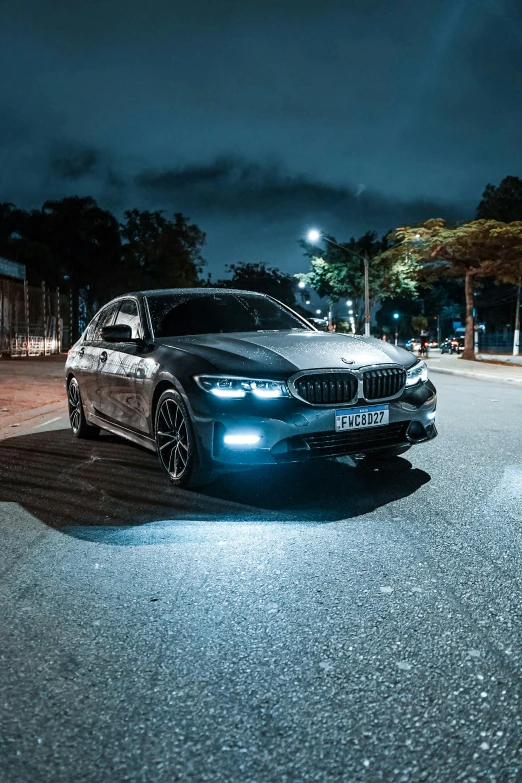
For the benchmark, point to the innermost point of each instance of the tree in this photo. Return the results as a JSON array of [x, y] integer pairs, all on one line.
[[161, 253], [419, 323], [481, 248], [502, 202], [337, 273], [7, 212], [259, 277], [71, 241]]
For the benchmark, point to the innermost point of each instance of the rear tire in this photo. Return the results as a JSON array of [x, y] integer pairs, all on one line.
[[79, 426], [176, 443]]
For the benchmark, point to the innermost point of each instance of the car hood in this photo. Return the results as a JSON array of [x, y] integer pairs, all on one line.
[[283, 353]]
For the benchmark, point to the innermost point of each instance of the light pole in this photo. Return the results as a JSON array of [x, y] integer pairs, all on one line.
[[516, 336], [366, 296], [314, 236], [396, 319]]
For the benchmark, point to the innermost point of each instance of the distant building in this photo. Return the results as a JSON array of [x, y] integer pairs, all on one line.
[[12, 269]]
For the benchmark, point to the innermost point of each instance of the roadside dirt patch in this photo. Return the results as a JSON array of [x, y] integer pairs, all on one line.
[[29, 383]]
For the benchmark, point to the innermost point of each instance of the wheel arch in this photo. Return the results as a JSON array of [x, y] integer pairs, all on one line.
[[162, 386]]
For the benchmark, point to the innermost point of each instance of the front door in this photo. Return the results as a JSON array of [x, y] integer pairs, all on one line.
[[117, 371], [89, 357]]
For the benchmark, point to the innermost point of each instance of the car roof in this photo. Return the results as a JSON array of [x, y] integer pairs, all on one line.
[[195, 291]]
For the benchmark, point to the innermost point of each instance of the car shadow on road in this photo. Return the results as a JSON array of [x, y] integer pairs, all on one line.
[[72, 484]]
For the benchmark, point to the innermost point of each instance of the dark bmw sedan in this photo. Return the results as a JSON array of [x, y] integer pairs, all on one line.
[[215, 380]]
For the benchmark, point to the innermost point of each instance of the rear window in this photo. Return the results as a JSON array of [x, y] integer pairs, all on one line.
[[183, 314]]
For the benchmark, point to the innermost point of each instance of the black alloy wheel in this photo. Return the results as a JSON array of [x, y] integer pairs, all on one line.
[[175, 443], [77, 418]]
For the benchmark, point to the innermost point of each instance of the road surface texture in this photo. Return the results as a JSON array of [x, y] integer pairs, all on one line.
[[315, 623]]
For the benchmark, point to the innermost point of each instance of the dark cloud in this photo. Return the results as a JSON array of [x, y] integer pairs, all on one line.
[[73, 164], [233, 186]]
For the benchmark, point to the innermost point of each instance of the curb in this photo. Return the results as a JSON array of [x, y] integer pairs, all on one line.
[[478, 376]]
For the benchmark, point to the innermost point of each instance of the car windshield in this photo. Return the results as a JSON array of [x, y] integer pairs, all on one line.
[[177, 315]]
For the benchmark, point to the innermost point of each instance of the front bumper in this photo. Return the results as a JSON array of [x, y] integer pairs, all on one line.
[[292, 431]]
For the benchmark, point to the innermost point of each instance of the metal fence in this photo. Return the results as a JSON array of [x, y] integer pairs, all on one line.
[[33, 321], [496, 342]]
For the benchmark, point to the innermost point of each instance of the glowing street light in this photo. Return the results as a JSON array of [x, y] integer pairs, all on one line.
[[314, 235], [349, 303], [302, 284], [350, 312], [318, 312]]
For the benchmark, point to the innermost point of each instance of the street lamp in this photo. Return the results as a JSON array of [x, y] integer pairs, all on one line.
[[314, 236], [318, 312], [349, 303], [302, 284], [396, 317]]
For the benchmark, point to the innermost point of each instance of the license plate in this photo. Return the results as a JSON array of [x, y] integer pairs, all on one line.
[[358, 418]]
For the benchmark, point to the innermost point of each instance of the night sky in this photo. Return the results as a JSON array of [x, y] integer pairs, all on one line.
[[261, 119]]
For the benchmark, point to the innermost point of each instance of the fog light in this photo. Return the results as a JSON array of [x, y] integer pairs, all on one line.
[[416, 432], [244, 439]]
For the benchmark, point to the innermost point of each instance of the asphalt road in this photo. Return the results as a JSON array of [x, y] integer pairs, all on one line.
[[319, 623]]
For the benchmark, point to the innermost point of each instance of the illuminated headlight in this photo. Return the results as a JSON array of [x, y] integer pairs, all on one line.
[[417, 374], [242, 439], [236, 388]]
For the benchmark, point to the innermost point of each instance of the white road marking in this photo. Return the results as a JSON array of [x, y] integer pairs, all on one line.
[[47, 422]]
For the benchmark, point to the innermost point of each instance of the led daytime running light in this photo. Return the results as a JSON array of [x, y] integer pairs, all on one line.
[[237, 388]]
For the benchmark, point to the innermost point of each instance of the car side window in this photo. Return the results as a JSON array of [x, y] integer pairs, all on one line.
[[88, 336], [128, 315], [106, 318]]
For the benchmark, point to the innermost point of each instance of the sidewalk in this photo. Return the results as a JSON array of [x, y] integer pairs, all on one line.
[[31, 390], [479, 370]]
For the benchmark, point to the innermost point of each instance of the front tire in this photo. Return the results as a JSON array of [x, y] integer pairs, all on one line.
[[80, 428], [176, 443]]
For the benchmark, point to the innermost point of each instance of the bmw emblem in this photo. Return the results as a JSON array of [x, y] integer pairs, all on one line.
[[347, 361]]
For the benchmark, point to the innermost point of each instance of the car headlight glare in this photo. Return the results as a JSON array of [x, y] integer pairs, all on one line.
[[237, 388], [417, 374]]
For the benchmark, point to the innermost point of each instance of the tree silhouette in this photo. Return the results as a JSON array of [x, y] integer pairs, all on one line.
[[502, 202]]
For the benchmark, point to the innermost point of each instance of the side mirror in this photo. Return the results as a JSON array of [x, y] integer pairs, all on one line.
[[118, 333]]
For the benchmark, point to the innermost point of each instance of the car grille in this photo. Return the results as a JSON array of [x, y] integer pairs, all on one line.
[[324, 444], [327, 388], [383, 383]]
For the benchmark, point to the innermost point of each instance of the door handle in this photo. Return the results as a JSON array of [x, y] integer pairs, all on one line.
[[103, 356]]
